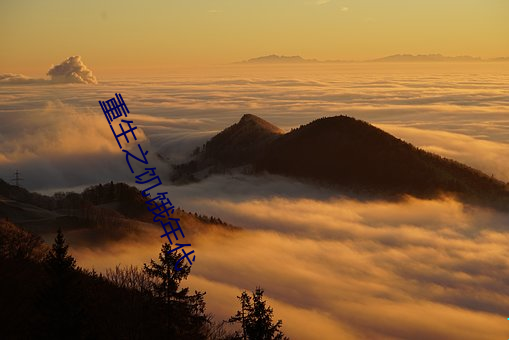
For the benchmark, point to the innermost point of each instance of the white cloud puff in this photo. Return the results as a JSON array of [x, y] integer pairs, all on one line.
[[72, 70]]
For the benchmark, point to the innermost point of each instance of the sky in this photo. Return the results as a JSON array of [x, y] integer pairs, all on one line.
[[133, 36]]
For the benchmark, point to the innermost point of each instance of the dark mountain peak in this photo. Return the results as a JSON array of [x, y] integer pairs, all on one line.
[[341, 122], [238, 144], [248, 117], [330, 134], [248, 131], [353, 154], [349, 154], [250, 121]]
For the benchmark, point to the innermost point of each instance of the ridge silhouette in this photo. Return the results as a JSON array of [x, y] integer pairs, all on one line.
[[344, 153]]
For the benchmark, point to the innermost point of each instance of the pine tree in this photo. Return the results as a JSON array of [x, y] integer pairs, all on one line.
[[61, 299], [242, 315], [185, 314], [255, 318], [58, 260]]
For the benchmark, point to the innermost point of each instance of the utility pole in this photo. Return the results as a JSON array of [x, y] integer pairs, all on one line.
[[17, 178]]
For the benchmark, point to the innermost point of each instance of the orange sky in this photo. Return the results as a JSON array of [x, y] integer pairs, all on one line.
[[134, 35]]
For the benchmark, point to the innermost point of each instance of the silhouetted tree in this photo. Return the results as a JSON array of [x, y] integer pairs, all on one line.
[[129, 277], [61, 300], [18, 243], [185, 314], [196, 151], [58, 260], [255, 318]]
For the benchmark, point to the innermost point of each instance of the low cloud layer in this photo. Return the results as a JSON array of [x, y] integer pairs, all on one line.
[[450, 112], [419, 269], [64, 145], [18, 79]]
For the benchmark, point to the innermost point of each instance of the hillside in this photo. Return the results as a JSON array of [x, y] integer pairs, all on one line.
[[354, 157], [235, 146], [41, 302], [105, 211]]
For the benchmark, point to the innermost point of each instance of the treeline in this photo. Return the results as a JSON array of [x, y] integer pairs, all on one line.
[[354, 156], [128, 199], [44, 294], [208, 219], [110, 206]]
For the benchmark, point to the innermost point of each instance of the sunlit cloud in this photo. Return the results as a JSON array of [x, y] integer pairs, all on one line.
[[72, 70], [344, 264], [17, 78], [488, 156], [61, 144], [455, 116]]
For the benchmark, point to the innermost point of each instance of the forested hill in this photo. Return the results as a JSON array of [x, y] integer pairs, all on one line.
[[350, 155], [113, 208]]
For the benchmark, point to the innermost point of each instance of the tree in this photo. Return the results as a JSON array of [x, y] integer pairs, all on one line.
[[58, 260], [129, 277], [255, 317], [185, 314], [16, 243], [61, 298]]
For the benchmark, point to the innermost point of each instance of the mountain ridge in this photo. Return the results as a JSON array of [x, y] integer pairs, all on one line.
[[349, 154], [232, 147], [424, 58]]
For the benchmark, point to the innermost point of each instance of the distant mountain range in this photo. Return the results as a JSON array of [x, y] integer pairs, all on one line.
[[425, 58], [277, 59], [280, 59], [342, 152]]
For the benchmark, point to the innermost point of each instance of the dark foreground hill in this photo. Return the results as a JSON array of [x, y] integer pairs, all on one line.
[[44, 294], [44, 297], [102, 212], [345, 153]]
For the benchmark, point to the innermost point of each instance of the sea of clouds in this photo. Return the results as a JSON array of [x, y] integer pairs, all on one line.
[[337, 268], [456, 112], [341, 268]]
